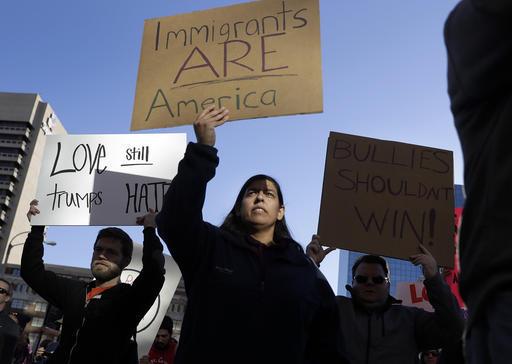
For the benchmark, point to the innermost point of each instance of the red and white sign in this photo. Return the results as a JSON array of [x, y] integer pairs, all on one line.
[[413, 294]]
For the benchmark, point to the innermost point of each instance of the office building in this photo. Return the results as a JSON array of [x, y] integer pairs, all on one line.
[[25, 120]]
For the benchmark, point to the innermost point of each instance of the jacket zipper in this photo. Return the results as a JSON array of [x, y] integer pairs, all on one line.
[[78, 330], [368, 340]]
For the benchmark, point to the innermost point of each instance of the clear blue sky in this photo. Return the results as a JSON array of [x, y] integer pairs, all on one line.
[[384, 76]]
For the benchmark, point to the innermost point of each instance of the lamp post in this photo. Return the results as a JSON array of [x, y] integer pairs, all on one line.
[[10, 245]]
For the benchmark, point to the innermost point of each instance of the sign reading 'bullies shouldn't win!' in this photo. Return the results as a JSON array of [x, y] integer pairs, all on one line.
[[105, 179], [257, 59], [383, 197]]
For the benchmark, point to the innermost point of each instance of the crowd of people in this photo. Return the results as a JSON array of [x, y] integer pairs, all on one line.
[[254, 294]]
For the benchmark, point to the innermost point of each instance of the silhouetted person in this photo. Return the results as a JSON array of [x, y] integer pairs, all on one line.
[[478, 37]]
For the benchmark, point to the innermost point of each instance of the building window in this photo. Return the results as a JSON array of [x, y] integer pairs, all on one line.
[[41, 306], [16, 303], [37, 322], [15, 272]]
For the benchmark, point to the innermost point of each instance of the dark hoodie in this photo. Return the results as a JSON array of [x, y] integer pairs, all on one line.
[[478, 35], [394, 333]]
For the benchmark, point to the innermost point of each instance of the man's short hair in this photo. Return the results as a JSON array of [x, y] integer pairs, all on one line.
[[122, 236], [9, 286], [371, 259], [167, 324]]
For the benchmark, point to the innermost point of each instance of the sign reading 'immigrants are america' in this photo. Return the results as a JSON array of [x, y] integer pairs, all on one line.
[[257, 59]]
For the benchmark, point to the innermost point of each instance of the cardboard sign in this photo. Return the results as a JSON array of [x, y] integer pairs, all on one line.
[[413, 294], [257, 59], [382, 197], [149, 325], [105, 179]]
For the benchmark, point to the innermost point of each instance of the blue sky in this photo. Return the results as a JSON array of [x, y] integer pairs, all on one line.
[[384, 76]]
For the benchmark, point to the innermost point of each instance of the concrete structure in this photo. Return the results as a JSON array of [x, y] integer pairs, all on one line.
[[24, 121], [177, 307]]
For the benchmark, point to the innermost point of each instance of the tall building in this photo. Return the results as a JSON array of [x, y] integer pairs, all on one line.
[[400, 270], [24, 121]]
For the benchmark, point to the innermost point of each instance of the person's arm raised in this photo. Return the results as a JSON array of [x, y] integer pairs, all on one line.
[[180, 220], [427, 261], [207, 121], [446, 324], [148, 284], [46, 283], [315, 251]]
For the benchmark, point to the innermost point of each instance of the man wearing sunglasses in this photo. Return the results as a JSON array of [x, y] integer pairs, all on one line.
[[9, 329], [430, 356], [377, 328]]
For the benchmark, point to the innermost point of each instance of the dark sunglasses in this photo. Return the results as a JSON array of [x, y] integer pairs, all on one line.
[[4, 291], [435, 353], [376, 280]]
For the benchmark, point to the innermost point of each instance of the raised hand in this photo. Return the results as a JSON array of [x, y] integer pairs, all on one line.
[[315, 251], [207, 121], [33, 210], [147, 220], [426, 260]]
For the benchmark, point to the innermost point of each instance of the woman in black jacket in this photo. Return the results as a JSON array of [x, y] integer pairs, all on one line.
[[253, 295]]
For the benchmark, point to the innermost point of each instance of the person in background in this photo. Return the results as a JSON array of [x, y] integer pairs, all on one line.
[[22, 354], [45, 351], [430, 356], [163, 349], [377, 329], [9, 329]]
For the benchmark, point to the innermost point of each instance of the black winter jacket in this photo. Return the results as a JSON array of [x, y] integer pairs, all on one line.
[[478, 35], [9, 334], [98, 332], [247, 303]]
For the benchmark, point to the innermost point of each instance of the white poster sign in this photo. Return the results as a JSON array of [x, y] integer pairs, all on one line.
[[105, 179], [149, 325], [413, 294]]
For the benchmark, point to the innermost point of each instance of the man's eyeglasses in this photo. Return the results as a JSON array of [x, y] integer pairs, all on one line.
[[360, 279], [4, 291]]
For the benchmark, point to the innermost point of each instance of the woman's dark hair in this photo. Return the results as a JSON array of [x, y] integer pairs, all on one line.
[[233, 221], [371, 259]]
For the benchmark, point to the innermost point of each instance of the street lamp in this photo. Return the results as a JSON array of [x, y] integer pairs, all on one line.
[[10, 245]]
